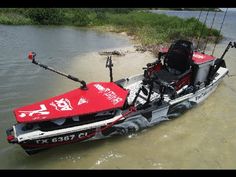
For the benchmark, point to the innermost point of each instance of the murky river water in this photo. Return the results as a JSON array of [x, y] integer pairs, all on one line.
[[203, 137]]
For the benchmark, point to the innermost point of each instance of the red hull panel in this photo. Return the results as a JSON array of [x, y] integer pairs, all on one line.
[[199, 58], [100, 96]]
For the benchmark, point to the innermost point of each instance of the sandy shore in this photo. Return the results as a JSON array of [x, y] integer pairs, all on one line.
[[93, 64]]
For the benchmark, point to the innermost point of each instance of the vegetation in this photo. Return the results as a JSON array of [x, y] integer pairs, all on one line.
[[45, 16], [14, 17], [148, 28]]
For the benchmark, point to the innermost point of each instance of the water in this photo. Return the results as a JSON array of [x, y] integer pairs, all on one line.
[[203, 137]]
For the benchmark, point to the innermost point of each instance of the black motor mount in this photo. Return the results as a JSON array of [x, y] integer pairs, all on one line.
[[109, 65]]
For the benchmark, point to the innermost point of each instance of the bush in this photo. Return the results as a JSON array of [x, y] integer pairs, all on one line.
[[81, 17], [14, 19], [45, 15]]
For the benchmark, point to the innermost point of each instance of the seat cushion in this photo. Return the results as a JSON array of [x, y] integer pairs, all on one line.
[[169, 77], [175, 80], [166, 76]]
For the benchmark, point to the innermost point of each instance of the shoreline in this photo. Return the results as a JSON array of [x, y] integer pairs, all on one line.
[[127, 65], [153, 48]]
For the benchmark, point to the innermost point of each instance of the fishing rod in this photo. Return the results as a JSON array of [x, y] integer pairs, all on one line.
[[31, 57], [196, 24], [202, 29], [209, 31], [219, 62], [199, 15], [219, 32]]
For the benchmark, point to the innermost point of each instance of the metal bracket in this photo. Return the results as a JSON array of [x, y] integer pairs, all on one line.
[[109, 65]]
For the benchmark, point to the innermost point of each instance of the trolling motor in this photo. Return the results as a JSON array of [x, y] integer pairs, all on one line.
[[218, 63], [230, 45], [32, 55], [109, 65]]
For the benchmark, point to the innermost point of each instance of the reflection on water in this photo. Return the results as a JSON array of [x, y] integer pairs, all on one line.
[[203, 137]]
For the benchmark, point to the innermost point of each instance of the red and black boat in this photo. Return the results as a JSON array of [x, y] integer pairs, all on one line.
[[179, 79]]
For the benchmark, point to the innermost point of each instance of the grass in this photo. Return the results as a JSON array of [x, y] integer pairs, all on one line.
[[153, 28], [146, 27]]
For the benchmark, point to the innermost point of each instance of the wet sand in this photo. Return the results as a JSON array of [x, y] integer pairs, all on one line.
[[124, 66]]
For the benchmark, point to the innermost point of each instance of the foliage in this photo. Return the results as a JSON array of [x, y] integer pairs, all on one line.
[[148, 28], [45, 15], [14, 19], [153, 28]]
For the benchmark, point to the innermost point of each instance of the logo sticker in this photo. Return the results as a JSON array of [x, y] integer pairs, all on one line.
[[108, 93], [82, 101], [198, 56], [62, 105]]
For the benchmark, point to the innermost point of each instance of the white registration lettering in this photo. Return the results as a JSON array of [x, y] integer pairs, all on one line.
[[54, 140], [72, 136], [43, 141], [60, 139], [80, 135], [63, 138]]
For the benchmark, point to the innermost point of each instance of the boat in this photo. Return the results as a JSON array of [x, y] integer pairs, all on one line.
[[179, 79]]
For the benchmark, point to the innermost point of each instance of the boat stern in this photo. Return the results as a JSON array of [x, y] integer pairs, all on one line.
[[11, 135]]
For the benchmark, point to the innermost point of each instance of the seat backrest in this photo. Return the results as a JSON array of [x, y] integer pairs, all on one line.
[[179, 56]]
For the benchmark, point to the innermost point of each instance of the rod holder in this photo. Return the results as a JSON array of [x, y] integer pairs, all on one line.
[[109, 65]]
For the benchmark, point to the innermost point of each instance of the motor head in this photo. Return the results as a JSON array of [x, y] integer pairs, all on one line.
[[233, 44]]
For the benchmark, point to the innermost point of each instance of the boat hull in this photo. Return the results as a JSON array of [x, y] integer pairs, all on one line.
[[134, 122]]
